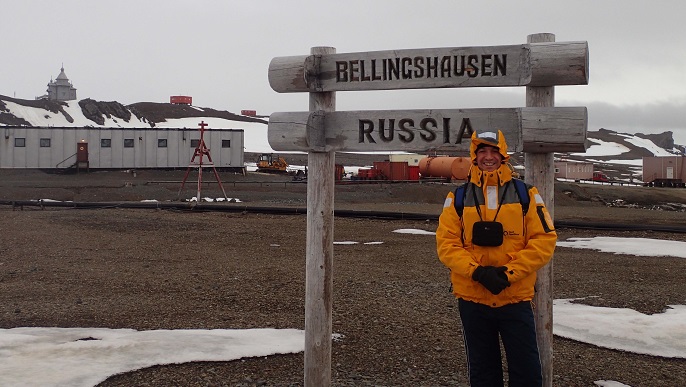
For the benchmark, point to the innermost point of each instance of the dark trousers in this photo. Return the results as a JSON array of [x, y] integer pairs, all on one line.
[[514, 324]]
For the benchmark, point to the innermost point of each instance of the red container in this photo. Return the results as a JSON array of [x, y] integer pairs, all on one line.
[[399, 171], [181, 100], [339, 172], [383, 169], [363, 174], [251, 113], [413, 172], [375, 174], [392, 170]]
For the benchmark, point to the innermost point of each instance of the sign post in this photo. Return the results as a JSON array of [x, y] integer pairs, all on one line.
[[319, 245], [539, 129], [540, 171]]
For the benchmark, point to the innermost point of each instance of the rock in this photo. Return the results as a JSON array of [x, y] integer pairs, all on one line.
[[96, 110], [663, 140]]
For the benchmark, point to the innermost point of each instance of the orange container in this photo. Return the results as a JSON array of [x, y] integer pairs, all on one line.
[[456, 168]]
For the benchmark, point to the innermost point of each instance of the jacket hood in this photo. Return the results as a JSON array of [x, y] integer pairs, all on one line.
[[498, 177], [490, 138]]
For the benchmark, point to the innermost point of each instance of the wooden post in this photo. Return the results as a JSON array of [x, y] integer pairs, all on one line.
[[319, 249], [540, 171]]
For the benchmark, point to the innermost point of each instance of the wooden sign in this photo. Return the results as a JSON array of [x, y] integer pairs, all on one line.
[[533, 64], [539, 130], [424, 130]]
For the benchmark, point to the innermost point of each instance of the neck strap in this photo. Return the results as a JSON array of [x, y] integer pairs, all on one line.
[[478, 206]]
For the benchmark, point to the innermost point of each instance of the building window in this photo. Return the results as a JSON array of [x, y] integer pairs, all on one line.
[[161, 142], [195, 143], [19, 142], [45, 143], [226, 143], [105, 143], [128, 143]]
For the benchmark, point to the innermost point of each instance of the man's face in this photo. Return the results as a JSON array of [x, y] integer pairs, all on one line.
[[488, 158]]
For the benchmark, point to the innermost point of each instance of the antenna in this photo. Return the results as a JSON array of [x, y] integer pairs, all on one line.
[[201, 150]]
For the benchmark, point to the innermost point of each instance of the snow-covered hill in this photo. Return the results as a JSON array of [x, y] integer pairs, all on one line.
[[614, 153], [620, 155], [90, 113]]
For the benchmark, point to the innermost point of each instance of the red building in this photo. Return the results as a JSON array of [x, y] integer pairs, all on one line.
[[181, 100]]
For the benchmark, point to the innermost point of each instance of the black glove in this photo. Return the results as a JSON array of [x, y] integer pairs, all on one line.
[[492, 278], [501, 273]]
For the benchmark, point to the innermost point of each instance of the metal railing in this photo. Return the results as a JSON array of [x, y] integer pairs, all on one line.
[[58, 164]]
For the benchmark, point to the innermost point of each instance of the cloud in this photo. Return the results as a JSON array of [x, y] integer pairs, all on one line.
[[634, 118]]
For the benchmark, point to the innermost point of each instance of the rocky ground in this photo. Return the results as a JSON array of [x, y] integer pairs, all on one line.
[[157, 269]]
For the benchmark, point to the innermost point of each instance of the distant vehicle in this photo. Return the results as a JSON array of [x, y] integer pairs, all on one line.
[[599, 176], [272, 164], [250, 113]]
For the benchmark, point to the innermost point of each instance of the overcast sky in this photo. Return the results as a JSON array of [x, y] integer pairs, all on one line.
[[218, 52]]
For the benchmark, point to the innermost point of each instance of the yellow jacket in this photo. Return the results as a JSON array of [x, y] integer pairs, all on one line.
[[528, 243]]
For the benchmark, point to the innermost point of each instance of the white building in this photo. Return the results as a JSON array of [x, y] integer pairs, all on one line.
[[577, 170], [411, 158], [107, 148]]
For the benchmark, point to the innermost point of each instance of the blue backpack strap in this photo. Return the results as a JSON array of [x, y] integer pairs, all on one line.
[[523, 193], [460, 193]]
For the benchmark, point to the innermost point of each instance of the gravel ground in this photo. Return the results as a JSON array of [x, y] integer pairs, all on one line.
[[143, 269]]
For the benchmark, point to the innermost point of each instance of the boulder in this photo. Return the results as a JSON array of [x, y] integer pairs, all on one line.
[[96, 111]]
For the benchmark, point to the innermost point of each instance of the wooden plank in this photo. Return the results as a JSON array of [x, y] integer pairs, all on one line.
[[540, 171], [289, 72], [535, 130], [319, 248], [542, 64], [557, 64], [553, 129]]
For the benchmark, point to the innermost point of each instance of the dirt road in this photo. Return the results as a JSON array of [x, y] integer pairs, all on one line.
[[154, 269]]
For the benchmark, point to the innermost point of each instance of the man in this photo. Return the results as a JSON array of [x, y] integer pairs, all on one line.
[[493, 249]]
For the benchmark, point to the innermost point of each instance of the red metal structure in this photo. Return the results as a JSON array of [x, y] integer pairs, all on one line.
[[181, 100], [200, 151]]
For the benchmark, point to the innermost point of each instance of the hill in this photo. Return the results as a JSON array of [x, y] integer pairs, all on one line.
[[98, 112], [618, 155]]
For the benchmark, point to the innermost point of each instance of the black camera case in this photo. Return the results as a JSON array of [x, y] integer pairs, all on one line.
[[487, 233]]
